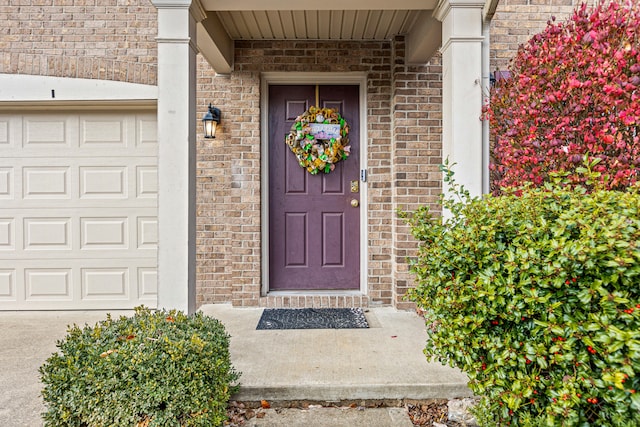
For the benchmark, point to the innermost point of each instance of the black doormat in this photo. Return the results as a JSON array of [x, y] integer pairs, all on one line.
[[312, 318]]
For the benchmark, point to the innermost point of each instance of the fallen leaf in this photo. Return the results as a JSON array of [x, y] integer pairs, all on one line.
[[108, 352], [265, 404], [260, 414]]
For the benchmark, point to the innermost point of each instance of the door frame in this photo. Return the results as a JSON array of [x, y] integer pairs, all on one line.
[[311, 78]]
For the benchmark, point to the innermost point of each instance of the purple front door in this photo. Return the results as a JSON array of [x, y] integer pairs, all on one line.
[[314, 231]]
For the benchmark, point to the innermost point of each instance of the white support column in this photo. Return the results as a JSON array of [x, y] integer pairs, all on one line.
[[462, 89], [176, 154]]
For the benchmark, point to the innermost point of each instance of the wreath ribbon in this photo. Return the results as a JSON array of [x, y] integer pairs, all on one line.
[[315, 153]]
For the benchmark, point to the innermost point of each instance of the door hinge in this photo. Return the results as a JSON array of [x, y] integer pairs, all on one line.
[[363, 175]]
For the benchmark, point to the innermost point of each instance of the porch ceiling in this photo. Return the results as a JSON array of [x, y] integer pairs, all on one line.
[[227, 21]]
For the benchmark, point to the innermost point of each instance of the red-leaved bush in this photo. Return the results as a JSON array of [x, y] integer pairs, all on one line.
[[575, 92]]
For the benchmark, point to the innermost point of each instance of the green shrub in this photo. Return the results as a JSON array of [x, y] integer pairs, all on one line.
[[535, 296], [157, 368]]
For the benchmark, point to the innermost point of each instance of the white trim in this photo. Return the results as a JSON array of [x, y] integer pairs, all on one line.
[[301, 78], [176, 156], [486, 88], [28, 88], [304, 78], [276, 5], [443, 7], [173, 40], [489, 10], [454, 40], [264, 184], [462, 39], [364, 190], [215, 45], [312, 292], [121, 105], [169, 4]]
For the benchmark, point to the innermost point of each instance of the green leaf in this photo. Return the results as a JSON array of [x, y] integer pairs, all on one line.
[[635, 401], [526, 276]]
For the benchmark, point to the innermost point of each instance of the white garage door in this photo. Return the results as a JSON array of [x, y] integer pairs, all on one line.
[[78, 210]]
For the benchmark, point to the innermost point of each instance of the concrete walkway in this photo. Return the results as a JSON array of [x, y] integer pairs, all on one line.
[[382, 362]]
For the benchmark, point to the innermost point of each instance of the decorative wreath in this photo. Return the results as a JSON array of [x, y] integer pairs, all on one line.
[[319, 138]]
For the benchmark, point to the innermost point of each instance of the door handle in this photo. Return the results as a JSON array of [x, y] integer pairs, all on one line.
[[355, 203]]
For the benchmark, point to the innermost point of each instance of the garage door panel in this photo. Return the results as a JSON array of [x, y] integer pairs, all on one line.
[[147, 182], [46, 182], [4, 131], [148, 285], [104, 233], [62, 233], [147, 131], [104, 182], [112, 179], [78, 284], [94, 134], [78, 210], [7, 234], [95, 153], [88, 182], [57, 131], [101, 283], [8, 285], [113, 131], [6, 183], [48, 284], [46, 233], [147, 233]]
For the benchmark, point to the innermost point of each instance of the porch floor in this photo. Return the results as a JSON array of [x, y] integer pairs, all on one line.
[[382, 362]]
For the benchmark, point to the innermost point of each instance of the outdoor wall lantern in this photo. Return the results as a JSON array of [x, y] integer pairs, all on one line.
[[211, 121]]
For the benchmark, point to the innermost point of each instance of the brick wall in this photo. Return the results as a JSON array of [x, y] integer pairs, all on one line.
[[417, 152], [403, 140], [228, 190], [516, 21], [95, 39], [98, 39]]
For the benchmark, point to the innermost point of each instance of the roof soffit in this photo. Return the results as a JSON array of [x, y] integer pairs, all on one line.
[[247, 5], [319, 20]]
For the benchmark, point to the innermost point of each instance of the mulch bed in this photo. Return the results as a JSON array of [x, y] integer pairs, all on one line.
[[421, 413], [425, 414]]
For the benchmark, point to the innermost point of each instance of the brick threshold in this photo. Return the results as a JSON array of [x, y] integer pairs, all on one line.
[[317, 299]]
